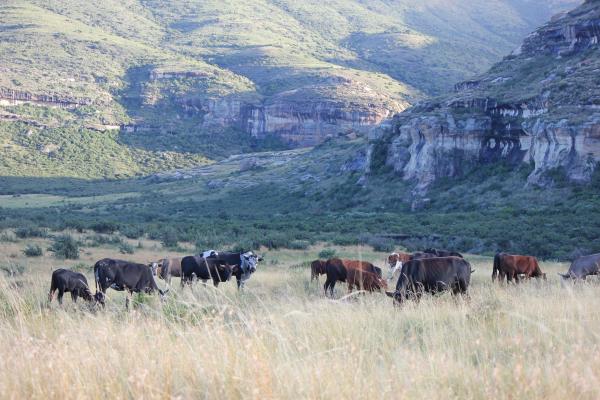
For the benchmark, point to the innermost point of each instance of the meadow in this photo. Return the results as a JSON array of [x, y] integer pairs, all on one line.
[[281, 338]]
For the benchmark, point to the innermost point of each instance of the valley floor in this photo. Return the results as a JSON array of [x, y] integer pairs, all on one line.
[[281, 338]]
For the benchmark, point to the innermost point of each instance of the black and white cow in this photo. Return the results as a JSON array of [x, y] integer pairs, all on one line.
[[125, 276], [243, 264], [64, 280]]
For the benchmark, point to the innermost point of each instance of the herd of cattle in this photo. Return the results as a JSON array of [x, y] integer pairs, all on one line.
[[136, 278], [432, 271], [429, 271]]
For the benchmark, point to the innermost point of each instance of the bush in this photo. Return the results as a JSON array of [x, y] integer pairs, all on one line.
[[126, 248], [30, 232], [299, 244], [33, 250], [65, 246], [132, 232], [101, 240], [8, 237], [105, 227], [327, 253], [169, 238]]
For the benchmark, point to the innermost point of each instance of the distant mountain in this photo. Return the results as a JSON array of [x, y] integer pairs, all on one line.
[[170, 83], [540, 106]]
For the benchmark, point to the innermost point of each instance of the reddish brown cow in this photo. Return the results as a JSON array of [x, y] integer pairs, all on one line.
[[364, 280], [317, 268], [512, 266], [362, 274]]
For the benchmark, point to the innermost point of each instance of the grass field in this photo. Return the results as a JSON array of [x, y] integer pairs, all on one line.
[[281, 338]]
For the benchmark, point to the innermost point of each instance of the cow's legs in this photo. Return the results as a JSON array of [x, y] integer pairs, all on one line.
[[60, 296], [127, 296], [329, 285], [74, 297], [51, 295]]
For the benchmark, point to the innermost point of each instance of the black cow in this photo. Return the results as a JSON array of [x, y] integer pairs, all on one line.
[[418, 255], [442, 253], [432, 275], [204, 269], [65, 280], [125, 276], [583, 266], [243, 264]]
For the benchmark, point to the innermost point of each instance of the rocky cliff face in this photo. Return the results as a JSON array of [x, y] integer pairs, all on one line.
[[14, 97], [540, 105], [300, 117]]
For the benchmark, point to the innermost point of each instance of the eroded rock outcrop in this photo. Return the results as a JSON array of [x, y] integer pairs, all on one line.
[[541, 105]]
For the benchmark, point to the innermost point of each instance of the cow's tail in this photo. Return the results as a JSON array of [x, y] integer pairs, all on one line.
[[496, 266]]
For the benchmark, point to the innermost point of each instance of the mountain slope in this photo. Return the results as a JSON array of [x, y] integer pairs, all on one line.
[[220, 77], [539, 106]]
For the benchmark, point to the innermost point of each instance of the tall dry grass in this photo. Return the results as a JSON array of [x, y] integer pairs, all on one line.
[[281, 338]]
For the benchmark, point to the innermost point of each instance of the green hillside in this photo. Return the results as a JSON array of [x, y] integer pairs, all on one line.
[[160, 65]]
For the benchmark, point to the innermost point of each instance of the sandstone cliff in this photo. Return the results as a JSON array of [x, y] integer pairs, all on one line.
[[540, 105]]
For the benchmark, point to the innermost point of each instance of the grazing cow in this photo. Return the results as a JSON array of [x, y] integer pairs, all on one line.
[[243, 264], [338, 270], [395, 261], [583, 266], [512, 266], [171, 267], [317, 268], [204, 269], [432, 275], [125, 276], [65, 280], [442, 253], [364, 280]]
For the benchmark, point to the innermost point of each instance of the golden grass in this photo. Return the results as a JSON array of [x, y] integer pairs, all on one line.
[[281, 338]]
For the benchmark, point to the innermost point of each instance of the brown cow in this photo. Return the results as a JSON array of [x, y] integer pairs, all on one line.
[[317, 268], [364, 280], [512, 266], [169, 267], [341, 270]]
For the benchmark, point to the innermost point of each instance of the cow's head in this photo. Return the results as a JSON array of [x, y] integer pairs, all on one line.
[[154, 267], [249, 262], [100, 298], [210, 254], [394, 264], [566, 276]]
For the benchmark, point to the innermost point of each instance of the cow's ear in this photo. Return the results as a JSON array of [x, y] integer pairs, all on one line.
[[390, 294]]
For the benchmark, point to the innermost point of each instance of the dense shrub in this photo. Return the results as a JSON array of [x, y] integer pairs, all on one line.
[[327, 253], [132, 232], [33, 250], [126, 248], [105, 227], [8, 237], [31, 232], [169, 238], [299, 244], [65, 246], [102, 240]]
